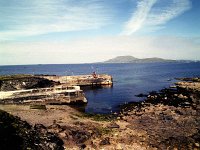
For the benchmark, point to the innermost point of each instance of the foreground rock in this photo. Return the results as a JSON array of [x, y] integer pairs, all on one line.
[[18, 134], [77, 130]]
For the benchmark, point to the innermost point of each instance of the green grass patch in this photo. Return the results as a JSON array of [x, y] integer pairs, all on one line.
[[100, 117], [14, 77], [103, 131], [43, 107]]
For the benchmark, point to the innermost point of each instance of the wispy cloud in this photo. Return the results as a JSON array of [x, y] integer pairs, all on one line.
[[155, 13], [139, 16], [25, 18]]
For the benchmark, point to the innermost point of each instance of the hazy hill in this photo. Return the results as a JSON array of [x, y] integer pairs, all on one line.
[[131, 59]]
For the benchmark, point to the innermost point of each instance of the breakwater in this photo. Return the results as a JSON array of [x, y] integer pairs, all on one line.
[[81, 80]]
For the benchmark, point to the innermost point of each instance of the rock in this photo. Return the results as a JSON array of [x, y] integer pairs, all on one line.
[[172, 86], [39, 126], [186, 103], [18, 134], [62, 134], [141, 95], [105, 141], [80, 135], [55, 127], [82, 146], [197, 144], [119, 147], [124, 118], [17, 82], [113, 125]]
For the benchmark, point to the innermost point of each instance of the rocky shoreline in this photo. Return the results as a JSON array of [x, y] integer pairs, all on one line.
[[168, 119]]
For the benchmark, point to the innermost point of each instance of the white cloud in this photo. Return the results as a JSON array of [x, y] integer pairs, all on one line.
[[155, 13], [98, 49], [161, 16], [139, 16], [25, 18]]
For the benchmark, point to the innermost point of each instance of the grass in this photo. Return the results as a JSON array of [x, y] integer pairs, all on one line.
[[100, 117], [103, 130], [43, 107], [13, 77]]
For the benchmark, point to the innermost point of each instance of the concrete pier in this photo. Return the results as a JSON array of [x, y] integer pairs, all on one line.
[[54, 95], [81, 80], [48, 89]]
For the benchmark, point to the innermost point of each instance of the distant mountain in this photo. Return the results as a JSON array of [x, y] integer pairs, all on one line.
[[131, 59], [122, 59]]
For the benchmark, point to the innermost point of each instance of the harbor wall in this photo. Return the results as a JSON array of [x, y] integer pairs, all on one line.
[[82, 80]]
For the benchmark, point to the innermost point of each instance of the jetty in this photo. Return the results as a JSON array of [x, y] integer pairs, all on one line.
[[81, 80], [54, 95], [48, 89]]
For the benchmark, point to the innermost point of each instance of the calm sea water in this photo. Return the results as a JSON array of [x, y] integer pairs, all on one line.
[[129, 79]]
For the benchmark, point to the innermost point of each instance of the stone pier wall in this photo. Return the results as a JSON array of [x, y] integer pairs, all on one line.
[[81, 80]]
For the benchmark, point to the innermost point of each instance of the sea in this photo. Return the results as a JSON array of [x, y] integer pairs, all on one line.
[[129, 80]]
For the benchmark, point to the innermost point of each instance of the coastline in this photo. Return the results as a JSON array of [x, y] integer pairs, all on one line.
[[168, 119]]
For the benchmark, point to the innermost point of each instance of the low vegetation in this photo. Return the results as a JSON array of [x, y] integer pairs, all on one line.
[[99, 117], [14, 77]]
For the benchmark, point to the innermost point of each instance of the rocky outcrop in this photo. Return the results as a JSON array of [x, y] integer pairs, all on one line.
[[19, 135], [17, 82], [169, 118]]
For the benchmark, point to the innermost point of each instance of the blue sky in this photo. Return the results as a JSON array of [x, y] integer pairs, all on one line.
[[71, 31]]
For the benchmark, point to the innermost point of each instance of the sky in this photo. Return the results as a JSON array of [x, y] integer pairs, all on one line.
[[86, 31]]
